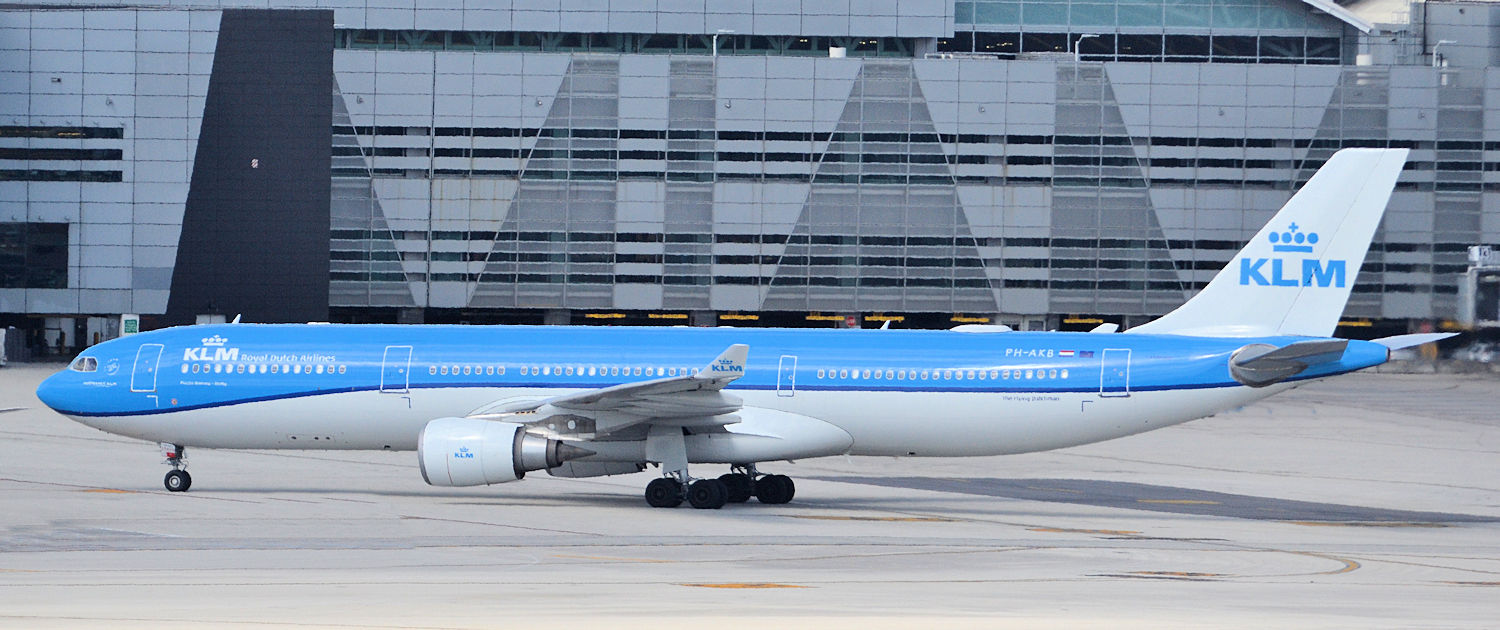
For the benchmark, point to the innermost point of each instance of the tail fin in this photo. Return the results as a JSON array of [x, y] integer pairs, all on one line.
[[1294, 277]]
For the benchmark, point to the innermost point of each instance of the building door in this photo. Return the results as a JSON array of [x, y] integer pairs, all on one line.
[[1114, 375], [786, 377], [147, 360], [395, 370]]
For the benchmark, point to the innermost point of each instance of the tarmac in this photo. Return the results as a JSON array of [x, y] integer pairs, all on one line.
[[1364, 501]]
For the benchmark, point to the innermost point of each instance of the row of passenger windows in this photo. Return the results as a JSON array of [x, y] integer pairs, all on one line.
[[616, 370], [943, 375], [558, 370], [262, 368]]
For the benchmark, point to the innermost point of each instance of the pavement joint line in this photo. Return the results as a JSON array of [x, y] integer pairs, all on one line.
[[743, 585]]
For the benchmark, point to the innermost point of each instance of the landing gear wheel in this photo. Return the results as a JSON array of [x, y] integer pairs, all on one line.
[[775, 489], [664, 493], [707, 494], [178, 481], [741, 487]]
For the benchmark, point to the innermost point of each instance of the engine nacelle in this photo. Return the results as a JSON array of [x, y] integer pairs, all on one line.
[[473, 452]]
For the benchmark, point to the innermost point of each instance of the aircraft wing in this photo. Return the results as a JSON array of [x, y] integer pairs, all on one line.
[[690, 399]]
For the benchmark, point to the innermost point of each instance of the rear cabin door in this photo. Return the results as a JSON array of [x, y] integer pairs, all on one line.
[[786, 377], [1114, 375], [395, 370]]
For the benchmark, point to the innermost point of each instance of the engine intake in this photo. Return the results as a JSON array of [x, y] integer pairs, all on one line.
[[473, 452]]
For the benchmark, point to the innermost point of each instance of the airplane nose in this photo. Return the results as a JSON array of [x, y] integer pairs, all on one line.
[[50, 392]]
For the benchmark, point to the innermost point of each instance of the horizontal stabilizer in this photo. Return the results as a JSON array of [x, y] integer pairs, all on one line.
[[1259, 364], [1410, 341]]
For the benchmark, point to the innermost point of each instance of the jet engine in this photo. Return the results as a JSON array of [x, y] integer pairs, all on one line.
[[472, 452]]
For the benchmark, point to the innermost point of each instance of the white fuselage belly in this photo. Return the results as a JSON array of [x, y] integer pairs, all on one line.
[[931, 424]]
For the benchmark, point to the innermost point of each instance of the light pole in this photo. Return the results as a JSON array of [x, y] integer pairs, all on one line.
[[1437, 61], [1078, 54], [722, 31]]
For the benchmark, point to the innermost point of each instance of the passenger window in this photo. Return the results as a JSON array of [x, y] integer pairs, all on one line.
[[672, 372], [614, 370], [342, 368], [432, 369], [924, 375], [866, 374], [445, 370], [1005, 374], [900, 375], [971, 375], [1051, 373], [500, 370], [947, 375], [1028, 374], [570, 370], [822, 373], [1065, 374], [239, 369], [466, 370], [889, 374]]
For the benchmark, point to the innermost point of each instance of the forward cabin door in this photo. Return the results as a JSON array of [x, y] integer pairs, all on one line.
[[395, 370], [143, 375]]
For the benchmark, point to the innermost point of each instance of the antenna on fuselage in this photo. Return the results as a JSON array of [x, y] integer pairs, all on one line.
[[236, 318]]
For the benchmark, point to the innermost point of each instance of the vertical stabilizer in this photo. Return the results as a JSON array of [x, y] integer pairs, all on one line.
[[1294, 277]]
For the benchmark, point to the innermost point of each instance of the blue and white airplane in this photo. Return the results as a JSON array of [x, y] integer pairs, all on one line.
[[486, 404]]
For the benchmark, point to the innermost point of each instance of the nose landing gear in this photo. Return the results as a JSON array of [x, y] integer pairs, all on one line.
[[177, 479]]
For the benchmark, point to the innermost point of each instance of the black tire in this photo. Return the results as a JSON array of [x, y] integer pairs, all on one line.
[[774, 489], [707, 494], [740, 486], [177, 481], [789, 487], [664, 493]]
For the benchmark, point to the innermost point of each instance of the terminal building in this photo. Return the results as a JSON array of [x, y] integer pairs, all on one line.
[[1037, 163]]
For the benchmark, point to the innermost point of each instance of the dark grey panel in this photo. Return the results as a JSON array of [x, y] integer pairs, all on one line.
[[255, 231]]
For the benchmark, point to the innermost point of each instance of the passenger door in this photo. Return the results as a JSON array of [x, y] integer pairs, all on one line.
[[143, 375], [395, 370]]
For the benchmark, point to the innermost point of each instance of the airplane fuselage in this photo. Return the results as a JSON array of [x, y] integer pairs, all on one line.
[[895, 392]]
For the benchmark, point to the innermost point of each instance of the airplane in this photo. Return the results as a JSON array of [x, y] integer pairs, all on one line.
[[487, 404]]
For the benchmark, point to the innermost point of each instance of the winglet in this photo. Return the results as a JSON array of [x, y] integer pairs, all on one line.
[[729, 365], [1407, 341]]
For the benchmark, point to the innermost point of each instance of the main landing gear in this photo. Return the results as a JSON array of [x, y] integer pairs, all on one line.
[[665, 445], [177, 479], [738, 486]]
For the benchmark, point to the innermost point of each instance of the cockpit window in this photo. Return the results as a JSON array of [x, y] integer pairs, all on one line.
[[85, 364]]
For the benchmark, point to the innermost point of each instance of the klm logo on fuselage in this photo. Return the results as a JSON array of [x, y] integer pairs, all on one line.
[[213, 350], [1283, 271]]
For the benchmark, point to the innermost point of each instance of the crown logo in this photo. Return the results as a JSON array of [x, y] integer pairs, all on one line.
[[1293, 241], [214, 341]]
